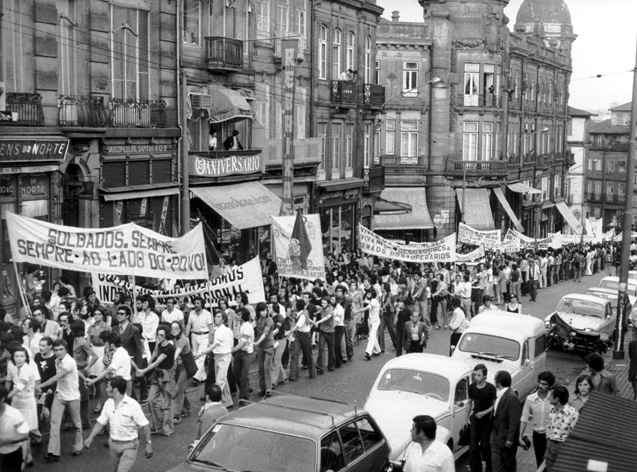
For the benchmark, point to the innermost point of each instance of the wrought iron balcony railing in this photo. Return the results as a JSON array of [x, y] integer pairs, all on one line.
[[27, 107], [343, 92], [224, 53], [137, 113], [86, 111], [481, 101], [373, 95]]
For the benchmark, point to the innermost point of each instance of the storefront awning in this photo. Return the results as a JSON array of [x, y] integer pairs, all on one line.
[[247, 205], [385, 207], [568, 215], [418, 218], [520, 187], [116, 194], [505, 204], [477, 213], [228, 105]]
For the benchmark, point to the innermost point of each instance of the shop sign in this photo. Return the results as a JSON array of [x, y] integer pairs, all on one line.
[[28, 169], [231, 165], [108, 149], [7, 186], [30, 149], [482, 182], [34, 186]]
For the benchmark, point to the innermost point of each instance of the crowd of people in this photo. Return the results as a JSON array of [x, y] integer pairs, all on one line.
[[61, 350]]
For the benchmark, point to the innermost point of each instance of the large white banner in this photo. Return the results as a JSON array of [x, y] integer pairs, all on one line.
[[287, 264], [438, 251], [487, 239], [122, 250], [472, 256], [594, 229], [244, 278]]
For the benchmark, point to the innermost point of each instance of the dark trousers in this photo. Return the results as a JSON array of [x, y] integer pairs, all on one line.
[[400, 331], [479, 447], [524, 288], [539, 447], [476, 300], [241, 370], [503, 458], [303, 343], [433, 313], [453, 341], [326, 351], [12, 461], [533, 289], [414, 347], [210, 373], [386, 321], [84, 406], [339, 333], [549, 276]]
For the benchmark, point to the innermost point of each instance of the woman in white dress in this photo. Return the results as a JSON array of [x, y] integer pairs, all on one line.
[[25, 376]]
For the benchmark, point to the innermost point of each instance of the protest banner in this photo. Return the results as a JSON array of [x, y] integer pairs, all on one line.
[[244, 278], [487, 239], [554, 241], [289, 250], [472, 256], [438, 251], [122, 250], [576, 238], [594, 229]]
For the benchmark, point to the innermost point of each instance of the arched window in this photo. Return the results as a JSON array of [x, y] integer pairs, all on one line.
[[336, 53], [322, 53], [351, 42]]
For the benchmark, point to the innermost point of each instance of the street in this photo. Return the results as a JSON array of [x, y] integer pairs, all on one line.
[[349, 384]]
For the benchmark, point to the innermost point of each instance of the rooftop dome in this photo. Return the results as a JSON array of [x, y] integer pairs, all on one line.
[[544, 11]]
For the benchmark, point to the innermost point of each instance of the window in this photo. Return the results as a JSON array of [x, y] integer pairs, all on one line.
[[367, 146], [471, 84], [349, 146], [390, 137], [331, 453], [352, 442], [302, 30], [462, 391], [263, 16], [377, 73], [598, 164], [67, 48], [191, 26], [621, 191], [262, 113], [282, 19], [370, 436], [336, 54], [598, 188], [321, 132], [470, 141], [368, 59], [351, 42], [545, 188], [487, 141], [489, 83], [410, 79], [322, 55], [610, 165], [336, 148], [621, 166], [557, 185], [130, 53], [377, 147], [610, 191], [409, 142], [540, 345]]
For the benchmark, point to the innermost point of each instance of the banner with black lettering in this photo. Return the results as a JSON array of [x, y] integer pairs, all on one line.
[[487, 239], [472, 256], [120, 250], [554, 241], [299, 253], [244, 278], [443, 250]]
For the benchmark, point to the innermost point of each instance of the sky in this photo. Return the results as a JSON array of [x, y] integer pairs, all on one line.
[[606, 36]]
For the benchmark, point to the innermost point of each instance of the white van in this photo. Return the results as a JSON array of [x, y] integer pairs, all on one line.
[[506, 341]]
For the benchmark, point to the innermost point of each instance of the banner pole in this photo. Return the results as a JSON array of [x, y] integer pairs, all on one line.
[[21, 288], [134, 294]]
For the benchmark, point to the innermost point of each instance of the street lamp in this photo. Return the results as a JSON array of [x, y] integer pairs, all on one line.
[[403, 94]]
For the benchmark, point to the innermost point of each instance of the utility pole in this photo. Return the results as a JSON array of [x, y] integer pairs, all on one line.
[[185, 147], [622, 305]]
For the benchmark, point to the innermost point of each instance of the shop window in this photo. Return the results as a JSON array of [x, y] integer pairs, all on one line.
[[192, 22]]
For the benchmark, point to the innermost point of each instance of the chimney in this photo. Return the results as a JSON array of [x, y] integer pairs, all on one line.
[[395, 15]]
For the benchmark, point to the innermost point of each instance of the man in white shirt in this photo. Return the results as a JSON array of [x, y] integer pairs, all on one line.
[[536, 411], [124, 417], [222, 349], [48, 328], [32, 336], [120, 365], [171, 313], [149, 321], [425, 452], [373, 348], [67, 396], [200, 327]]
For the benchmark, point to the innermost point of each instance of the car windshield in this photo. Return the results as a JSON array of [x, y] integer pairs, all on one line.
[[614, 285], [611, 297], [489, 345], [581, 307], [415, 381], [237, 448]]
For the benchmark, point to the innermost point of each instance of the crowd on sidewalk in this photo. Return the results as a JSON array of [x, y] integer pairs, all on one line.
[[61, 350]]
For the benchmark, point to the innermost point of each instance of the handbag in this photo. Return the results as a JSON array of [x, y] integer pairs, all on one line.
[[189, 364]]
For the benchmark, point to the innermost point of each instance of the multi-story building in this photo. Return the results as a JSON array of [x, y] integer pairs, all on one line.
[[89, 134], [578, 144], [488, 108], [606, 167]]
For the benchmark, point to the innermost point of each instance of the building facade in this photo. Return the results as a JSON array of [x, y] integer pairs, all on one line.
[[578, 144], [489, 110]]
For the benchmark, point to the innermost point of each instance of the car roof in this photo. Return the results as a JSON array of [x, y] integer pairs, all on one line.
[[589, 298], [505, 321], [434, 363], [608, 291], [304, 417], [613, 278]]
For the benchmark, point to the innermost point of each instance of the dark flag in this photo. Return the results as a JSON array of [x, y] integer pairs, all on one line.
[[210, 238], [300, 245]]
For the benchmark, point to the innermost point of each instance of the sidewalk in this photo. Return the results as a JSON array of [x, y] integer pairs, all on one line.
[[619, 368]]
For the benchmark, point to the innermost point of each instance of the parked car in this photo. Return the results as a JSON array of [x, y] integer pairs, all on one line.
[[287, 433], [612, 283], [582, 324], [421, 384], [611, 295], [505, 341]]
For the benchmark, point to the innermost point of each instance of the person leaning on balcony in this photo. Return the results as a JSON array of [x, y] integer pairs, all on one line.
[[212, 140], [346, 75], [232, 143]]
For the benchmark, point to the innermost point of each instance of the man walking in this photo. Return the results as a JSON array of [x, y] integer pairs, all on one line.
[[534, 278], [124, 416], [506, 425], [200, 327], [562, 419], [482, 396], [425, 452], [536, 410], [326, 337]]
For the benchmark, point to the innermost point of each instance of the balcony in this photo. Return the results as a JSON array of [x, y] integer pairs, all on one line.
[[373, 95], [27, 107], [128, 113], [374, 179], [306, 152], [480, 101], [477, 168], [82, 111], [343, 92], [224, 54]]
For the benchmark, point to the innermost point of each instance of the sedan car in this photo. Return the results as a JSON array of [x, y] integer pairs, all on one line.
[[289, 433], [586, 313], [421, 384], [612, 283]]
